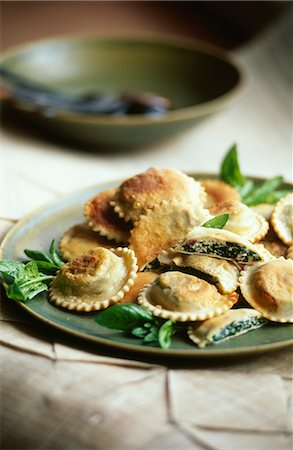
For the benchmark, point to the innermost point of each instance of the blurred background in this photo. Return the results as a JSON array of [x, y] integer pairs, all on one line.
[[226, 24], [258, 35]]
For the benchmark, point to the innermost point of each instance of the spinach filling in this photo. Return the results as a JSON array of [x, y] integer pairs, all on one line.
[[152, 266], [228, 250], [236, 327]]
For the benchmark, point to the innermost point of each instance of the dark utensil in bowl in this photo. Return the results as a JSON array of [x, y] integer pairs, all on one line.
[[109, 92]]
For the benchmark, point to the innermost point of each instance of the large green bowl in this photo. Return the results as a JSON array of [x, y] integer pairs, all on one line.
[[200, 81]]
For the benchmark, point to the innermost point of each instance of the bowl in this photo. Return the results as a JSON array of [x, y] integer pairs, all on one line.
[[198, 80]]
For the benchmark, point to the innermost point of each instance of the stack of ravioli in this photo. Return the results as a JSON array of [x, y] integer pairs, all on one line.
[[144, 242]]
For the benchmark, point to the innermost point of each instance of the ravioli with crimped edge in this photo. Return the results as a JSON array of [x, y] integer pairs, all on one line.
[[79, 239], [102, 218], [242, 220], [226, 326], [282, 219], [94, 280], [268, 288], [143, 191], [218, 191], [224, 274], [161, 227], [182, 297]]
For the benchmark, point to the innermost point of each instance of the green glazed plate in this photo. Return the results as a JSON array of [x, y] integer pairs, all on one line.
[[37, 231]]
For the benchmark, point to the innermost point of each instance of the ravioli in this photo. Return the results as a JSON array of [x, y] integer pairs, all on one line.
[[218, 191], [182, 297], [226, 326], [268, 288], [220, 243], [290, 252], [282, 219], [102, 218], [94, 280], [223, 273], [79, 239], [139, 193], [141, 280], [161, 227], [242, 220]]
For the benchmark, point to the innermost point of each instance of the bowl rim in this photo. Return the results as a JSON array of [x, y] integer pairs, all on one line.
[[176, 115]]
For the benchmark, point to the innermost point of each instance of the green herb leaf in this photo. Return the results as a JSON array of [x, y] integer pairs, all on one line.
[[124, 317], [9, 270], [260, 193], [25, 291], [274, 197], [22, 282], [46, 266], [51, 262], [140, 332], [230, 170], [246, 189], [165, 333], [217, 222], [37, 255], [56, 257], [152, 336]]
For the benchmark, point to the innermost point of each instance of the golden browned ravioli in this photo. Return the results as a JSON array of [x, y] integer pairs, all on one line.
[[161, 227], [282, 219], [141, 280], [218, 191], [268, 288], [182, 297], [223, 273], [79, 239], [143, 191], [94, 280], [102, 218], [242, 220]]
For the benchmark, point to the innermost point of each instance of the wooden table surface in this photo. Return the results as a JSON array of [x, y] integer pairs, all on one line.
[[62, 393]]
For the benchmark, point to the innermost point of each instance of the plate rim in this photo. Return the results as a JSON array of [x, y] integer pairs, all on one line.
[[151, 351]]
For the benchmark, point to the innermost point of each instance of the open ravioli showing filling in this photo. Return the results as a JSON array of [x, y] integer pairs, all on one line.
[[230, 324], [179, 296], [94, 280], [220, 243]]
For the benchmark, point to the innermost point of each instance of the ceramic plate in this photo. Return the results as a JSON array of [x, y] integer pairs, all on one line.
[[199, 81], [37, 231]]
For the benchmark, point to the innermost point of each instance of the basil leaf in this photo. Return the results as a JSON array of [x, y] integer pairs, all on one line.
[[259, 194], [29, 272], [274, 197], [124, 317], [9, 270], [230, 170], [246, 189], [46, 266], [56, 257], [165, 333], [25, 291], [140, 332], [152, 336], [217, 222], [37, 255]]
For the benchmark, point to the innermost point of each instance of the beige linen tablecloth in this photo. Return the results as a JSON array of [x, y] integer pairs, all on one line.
[[59, 392]]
